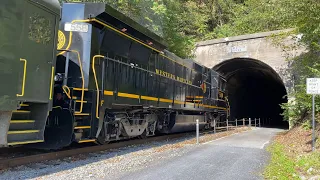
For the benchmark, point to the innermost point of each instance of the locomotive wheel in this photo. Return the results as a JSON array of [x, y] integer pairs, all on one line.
[[101, 140], [143, 135]]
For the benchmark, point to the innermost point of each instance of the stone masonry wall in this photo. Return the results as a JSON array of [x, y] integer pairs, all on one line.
[[256, 46]]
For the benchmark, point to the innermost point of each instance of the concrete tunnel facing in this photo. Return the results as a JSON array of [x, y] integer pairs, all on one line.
[[255, 90]]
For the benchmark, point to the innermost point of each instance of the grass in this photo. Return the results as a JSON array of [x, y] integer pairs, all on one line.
[[309, 164], [286, 164], [281, 166]]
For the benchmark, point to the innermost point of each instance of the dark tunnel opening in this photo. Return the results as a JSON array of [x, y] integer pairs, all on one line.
[[255, 90]]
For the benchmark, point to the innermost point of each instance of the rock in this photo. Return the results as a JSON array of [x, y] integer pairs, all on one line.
[[303, 178], [314, 178], [310, 170]]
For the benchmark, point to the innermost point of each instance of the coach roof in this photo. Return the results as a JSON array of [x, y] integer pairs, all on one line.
[[53, 5]]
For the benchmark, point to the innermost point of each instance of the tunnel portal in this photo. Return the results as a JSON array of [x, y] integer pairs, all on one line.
[[255, 90]]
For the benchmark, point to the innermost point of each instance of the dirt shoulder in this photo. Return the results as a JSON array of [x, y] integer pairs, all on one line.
[[292, 156]]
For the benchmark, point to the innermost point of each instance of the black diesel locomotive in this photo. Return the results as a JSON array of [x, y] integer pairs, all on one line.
[[111, 78]]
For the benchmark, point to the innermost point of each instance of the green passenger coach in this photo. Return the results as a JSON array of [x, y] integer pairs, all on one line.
[[27, 59]]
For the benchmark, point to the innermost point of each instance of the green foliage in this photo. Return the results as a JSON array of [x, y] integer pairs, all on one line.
[[306, 19], [177, 24], [310, 161], [262, 15], [290, 167], [281, 166], [148, 13], [306, 125], [183, 22]]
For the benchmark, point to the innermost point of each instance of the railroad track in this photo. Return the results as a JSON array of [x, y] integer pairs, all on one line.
[[40, 157], [28, 159]]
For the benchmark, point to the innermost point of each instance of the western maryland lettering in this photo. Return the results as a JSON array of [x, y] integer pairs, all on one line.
[[172, 76]]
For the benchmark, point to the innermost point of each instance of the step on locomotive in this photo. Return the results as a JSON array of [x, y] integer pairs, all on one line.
[[84, 72]]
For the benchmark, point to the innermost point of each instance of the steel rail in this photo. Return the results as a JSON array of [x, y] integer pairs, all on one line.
[[18, 161], [13, 162]]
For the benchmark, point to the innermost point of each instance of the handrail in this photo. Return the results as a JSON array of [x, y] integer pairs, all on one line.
[[24, 77], [70, 35], [51, 83], [82, 75], [96, 82], [67, 92], [82, 78]]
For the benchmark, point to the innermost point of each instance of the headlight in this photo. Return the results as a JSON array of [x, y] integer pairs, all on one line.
[[58, 77]]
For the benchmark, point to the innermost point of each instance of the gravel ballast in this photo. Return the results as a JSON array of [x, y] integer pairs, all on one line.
[[112, 163]]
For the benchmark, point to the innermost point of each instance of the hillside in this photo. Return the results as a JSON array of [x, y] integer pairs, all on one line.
[[292, 156]]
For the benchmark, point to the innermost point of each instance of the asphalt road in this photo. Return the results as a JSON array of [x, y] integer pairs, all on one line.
[[240, 156]]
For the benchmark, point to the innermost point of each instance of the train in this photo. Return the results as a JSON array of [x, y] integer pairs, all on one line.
[[86, 73]]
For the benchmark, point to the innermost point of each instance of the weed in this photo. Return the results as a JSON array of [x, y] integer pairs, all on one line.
[[281, 166]]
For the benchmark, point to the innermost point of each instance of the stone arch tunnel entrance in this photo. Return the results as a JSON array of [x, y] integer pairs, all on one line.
[[255, 90]]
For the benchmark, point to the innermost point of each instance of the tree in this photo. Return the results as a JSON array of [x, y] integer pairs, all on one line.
[[178, 24], [307, 22], [183, 22]]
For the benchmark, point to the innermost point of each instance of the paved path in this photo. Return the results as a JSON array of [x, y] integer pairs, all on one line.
[[240, 156]]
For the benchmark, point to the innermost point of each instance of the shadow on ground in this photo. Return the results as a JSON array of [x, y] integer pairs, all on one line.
[[55, 166]]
